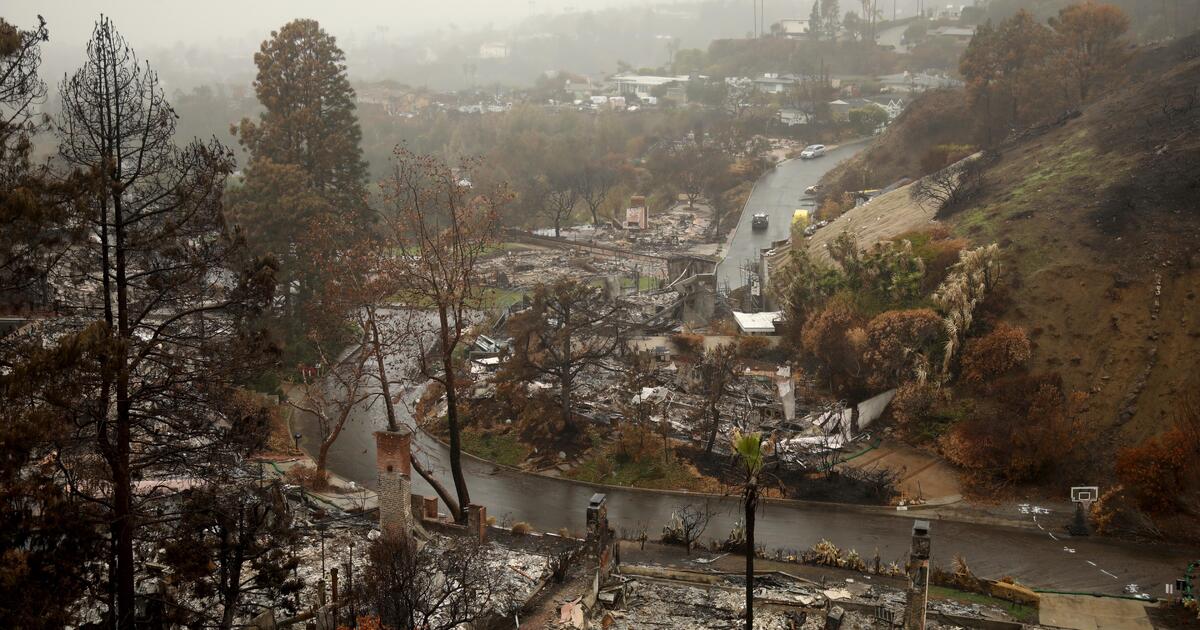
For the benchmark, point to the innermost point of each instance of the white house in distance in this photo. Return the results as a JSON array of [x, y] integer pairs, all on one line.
[[493, 50], [791, 116], [794, 28], [641, 84], [757, 324]]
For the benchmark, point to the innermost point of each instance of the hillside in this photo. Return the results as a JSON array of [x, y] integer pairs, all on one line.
[[1098, 222], [909, 146]]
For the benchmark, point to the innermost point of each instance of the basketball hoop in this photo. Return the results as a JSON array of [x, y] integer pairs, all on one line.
[[1085, 495]]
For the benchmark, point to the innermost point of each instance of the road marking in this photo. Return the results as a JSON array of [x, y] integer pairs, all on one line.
[[1091, 563], [1052, 535], [1108, 574]]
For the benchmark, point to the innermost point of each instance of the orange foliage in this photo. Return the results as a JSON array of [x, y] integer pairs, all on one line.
[[1091, 36], [1034, 427], [751, 347], [367, 623], [1162, 471], [827, 337], [914, 402], [689, 343], [307, 477], [995, 354], [896, 341]]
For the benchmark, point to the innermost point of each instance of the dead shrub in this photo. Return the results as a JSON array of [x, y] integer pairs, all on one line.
[[915, 402], [943, 155], [751, 347], [950, 189], [898, 344], [1161, 472], [521, 528], [307, 477], [688, 343], [1001, 351], [827, 337], [1029, 428], [835, 206]]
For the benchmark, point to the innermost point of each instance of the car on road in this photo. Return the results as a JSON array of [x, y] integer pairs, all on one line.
[[812, 190], [759, 221], [812, 151]]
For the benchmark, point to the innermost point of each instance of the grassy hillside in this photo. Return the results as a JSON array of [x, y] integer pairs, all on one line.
[[1100, 224], [937, 118]]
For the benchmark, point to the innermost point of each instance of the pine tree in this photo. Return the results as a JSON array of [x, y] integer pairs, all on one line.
[[309, 115], [830, 19], [814, 21], [306, 169], [161, 287]]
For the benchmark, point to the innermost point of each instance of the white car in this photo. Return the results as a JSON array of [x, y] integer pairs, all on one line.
[[812, 151]]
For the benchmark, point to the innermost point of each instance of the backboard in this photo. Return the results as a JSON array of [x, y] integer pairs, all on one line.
[[1084, 494]]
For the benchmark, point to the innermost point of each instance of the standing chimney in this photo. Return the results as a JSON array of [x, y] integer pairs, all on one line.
[[918, 575], [392, 459]]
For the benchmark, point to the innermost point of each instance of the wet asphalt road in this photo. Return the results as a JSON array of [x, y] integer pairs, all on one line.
[[778, 193], [1032, 556]]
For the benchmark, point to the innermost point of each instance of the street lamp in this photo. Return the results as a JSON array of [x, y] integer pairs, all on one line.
[[296, 436]]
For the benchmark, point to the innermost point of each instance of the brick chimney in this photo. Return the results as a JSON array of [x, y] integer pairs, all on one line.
[[394, 464]]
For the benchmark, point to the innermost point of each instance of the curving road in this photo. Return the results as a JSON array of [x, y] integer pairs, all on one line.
[[992, 551], [1041, 558], [778, 193]]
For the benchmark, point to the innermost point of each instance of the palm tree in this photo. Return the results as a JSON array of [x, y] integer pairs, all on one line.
[[749, 447]]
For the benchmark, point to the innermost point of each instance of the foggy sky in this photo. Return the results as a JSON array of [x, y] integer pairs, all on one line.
[[198, 42], [199, 22], [238, 26]]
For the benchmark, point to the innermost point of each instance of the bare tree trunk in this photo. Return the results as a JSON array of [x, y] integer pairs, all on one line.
[[712, 431], [565, 381], [452, 506], [122, 475], [385, 388], [460, 482], [751, 508]]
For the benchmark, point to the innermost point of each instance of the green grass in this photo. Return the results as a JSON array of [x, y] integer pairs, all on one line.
[[645, 283], [1020, 612], [621, 470], [501, 298], [502, 448]]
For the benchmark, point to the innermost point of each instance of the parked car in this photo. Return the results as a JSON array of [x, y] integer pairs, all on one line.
[[812, 190], [759, 221], [812, 151]]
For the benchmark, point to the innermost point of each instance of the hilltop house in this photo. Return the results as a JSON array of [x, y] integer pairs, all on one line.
[[641, 85], [792, 28]]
